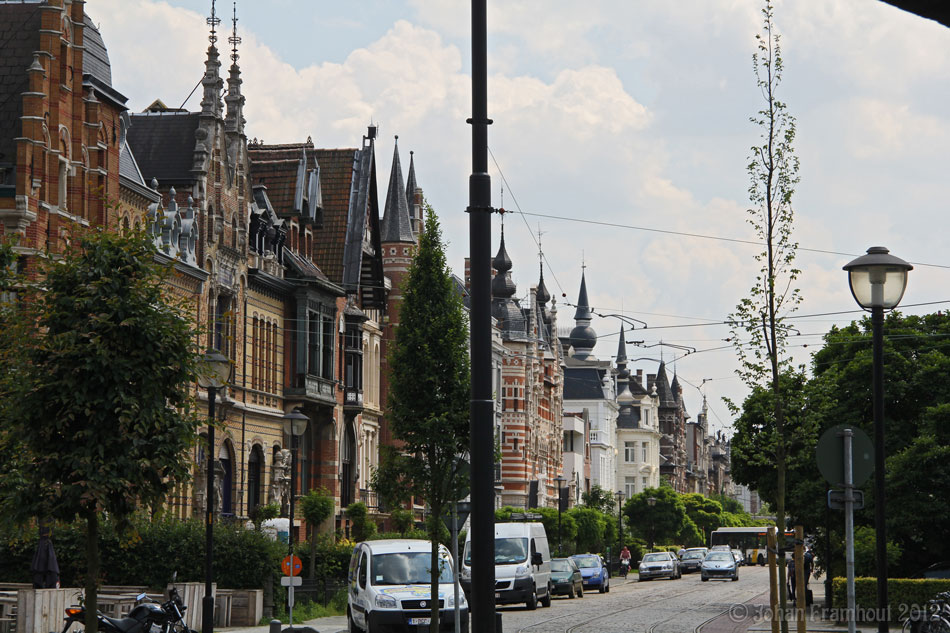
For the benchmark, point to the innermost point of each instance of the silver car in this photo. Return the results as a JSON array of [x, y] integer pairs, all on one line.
[[659, 565], [719, 564]]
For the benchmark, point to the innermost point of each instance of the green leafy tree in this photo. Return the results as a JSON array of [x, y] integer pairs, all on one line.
[[103, 402], [402, 520], [591, 529], [759, 328], [363, 527], [663, 522], [317, 506], [429, 389], [598, 498], [706, 515]]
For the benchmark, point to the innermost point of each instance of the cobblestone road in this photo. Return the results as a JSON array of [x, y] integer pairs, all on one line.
[[658, 606]]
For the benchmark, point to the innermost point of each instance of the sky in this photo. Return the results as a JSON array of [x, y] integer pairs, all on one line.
[[621, 133]]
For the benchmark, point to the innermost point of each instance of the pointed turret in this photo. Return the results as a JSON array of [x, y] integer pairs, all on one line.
[[211, 81], [415, 213], [396, 224], [622, 354], [502, 285], [234, 99], [663, 389], [583, 336]]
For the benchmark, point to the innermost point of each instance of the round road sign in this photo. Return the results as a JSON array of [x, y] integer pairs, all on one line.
[[291, 566], [830, 453]]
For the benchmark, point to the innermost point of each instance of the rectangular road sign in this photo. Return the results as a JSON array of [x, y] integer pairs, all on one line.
[[836, 499], [291, 581]]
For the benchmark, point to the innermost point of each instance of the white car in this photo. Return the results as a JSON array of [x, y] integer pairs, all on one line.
[[389, 587]]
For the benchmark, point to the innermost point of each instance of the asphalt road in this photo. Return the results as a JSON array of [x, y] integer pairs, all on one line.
[[657, 606]]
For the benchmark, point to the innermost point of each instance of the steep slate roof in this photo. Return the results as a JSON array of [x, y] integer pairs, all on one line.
[[361, 269], [583, 383], [19, 33], [411, 183], [164, 145], [397, 227], [663, 389], [336, 174]]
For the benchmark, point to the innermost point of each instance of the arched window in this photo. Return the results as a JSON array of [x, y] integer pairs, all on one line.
[[255, 479], [254, 353]]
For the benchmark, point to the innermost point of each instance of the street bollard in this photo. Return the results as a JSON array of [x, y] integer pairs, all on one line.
[[498, 627], [274, 626]]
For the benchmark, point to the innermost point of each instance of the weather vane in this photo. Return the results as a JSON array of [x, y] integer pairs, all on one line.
[[234, 40], [213, 22]]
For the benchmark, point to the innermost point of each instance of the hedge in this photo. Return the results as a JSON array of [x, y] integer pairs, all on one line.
[[905, 596], [148, 553]]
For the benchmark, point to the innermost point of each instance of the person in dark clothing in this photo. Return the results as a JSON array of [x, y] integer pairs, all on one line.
[[790, 569], [809, 562]]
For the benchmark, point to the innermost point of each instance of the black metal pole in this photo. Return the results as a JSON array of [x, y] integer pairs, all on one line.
[[207, 604], [559, 522], [293, 490], [877, 327], [482, 406]]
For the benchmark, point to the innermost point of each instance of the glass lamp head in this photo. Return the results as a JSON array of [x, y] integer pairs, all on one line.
[[214, 369], [878, 279]]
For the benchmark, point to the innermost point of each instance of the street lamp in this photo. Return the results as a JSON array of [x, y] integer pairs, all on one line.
[[877, 282], [560, 493], [295, 423], [214, 369], [619, 495], [651, 501]]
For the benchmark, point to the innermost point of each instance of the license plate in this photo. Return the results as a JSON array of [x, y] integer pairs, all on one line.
[[497, 595], [420, 621]]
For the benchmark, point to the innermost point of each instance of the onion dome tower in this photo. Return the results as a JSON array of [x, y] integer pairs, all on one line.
[[583, 337]]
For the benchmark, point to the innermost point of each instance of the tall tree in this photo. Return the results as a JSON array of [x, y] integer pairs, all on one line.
[[429, 390], [773, 172], [102, 403]]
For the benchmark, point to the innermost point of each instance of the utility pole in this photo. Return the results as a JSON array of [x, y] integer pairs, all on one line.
[[482, 406]]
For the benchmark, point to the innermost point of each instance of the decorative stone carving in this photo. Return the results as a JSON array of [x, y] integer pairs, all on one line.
[[174, 231], [280, 481]]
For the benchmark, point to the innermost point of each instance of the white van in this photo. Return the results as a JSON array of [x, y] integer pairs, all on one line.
[[522, 564], [389, 587]]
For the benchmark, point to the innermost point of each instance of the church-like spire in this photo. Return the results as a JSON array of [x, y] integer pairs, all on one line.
[[211, 82], [411, 195], [622, 372], [396, 225], [234, 98], [502, 285], [542, 294], [583, 336]]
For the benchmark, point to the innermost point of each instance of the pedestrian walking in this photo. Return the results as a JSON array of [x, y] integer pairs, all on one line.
[[809, 561], [791, 578]]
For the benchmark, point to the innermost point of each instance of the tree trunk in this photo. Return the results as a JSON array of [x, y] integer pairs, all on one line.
[[92, 572]]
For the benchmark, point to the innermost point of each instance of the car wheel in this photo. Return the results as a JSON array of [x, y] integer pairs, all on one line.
[[760, 560], [642, 579], [532, 602], [705, 579], [546, 600], [735, 577], [350, 624], [571, 593], [580, 590], [608, 586]]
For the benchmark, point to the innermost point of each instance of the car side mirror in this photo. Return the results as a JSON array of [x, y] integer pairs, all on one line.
[[536, 559]]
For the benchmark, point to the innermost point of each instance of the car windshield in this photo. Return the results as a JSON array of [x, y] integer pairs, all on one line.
[[689, 555], [719, 556], [587, 562], [656, 558], [560, 565], [408, 568]]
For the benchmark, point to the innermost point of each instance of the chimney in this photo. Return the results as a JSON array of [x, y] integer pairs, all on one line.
[[640, 377], [371, 132], [651, 378]]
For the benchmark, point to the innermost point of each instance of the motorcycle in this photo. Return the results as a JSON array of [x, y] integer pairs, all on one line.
[[146, 617]]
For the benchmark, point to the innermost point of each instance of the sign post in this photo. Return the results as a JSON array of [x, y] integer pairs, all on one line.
[[291, 567], [460, 512]]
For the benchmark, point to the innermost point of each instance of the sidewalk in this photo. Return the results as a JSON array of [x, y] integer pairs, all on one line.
[[753, 617], [333, 624]]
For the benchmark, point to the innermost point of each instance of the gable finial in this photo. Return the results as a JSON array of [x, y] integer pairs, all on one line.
[[213, 22], [234, 40]]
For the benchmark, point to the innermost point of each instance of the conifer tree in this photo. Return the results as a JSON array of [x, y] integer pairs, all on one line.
[[429, 390]]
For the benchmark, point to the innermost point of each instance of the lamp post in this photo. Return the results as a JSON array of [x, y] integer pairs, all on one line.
[[560, 491], [295, 423], [877, 282], [651, 501], [213, 372]]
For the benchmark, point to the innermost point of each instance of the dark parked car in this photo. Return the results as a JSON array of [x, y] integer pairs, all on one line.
[[594, 570], [566, 578], [659, 565], [719, 564], [691, 561]]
